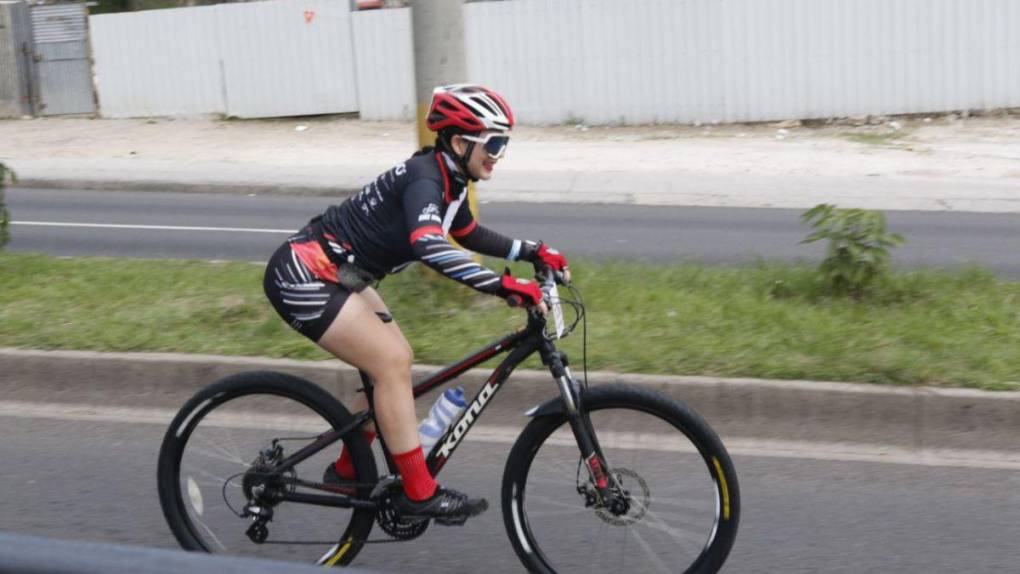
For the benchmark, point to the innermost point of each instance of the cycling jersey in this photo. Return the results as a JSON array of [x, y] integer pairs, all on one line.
[[404, 216]]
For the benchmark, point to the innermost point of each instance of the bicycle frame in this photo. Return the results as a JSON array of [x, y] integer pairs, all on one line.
[[520, 344]]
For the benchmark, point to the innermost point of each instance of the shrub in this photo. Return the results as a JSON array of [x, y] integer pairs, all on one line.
[[858, 252], [5, 174]]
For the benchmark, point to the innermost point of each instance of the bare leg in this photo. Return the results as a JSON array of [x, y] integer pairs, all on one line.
[[358, 337], [360, 403]]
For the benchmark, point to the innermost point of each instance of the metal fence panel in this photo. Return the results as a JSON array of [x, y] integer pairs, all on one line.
[[606, 61], [158, 62], [63, 71], [15, 36], [384, 57], [287, 58], [248, 60]]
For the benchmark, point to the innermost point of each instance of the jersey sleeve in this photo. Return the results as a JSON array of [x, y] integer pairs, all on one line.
[[480, 239], [424, 223]]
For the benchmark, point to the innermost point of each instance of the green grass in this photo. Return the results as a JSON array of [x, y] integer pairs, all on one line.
[[920, 328]]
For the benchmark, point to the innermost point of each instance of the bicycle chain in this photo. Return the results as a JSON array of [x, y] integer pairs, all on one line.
[[386, 517]]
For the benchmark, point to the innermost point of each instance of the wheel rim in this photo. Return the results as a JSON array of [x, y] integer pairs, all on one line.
[[673, 510], [226, 446]]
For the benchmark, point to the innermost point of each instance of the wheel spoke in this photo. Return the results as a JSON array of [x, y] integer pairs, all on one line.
[[221, 452], [218, 480], [552, 502], [212, 535], [553, 481], [681, 503], [634, 430], [649, 552], [656, 523], [217, 452], [563, 512]]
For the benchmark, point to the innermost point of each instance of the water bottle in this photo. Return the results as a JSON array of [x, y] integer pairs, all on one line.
[[442, 414]]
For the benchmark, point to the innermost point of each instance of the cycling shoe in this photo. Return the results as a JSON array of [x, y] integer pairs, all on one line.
[[447, 507], [343, 485]]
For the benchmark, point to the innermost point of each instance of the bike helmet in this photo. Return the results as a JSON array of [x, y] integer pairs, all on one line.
[[468, 108]]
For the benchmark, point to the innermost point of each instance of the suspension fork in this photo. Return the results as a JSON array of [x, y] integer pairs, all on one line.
[[577, 416]]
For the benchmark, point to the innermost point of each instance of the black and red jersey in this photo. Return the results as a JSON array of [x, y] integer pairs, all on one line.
[[405, 215]]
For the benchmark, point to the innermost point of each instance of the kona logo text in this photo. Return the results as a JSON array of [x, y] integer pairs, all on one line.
[[468, 419]]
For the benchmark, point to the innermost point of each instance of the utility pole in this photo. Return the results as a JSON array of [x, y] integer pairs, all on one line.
[[438, 29]]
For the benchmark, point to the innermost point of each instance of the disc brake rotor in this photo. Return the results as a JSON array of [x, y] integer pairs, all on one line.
[[635, 490]]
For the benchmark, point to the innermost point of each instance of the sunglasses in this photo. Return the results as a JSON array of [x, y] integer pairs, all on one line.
[[494, 143]]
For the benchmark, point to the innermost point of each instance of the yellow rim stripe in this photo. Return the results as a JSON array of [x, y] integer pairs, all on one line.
[[724, 488], [340, 553]]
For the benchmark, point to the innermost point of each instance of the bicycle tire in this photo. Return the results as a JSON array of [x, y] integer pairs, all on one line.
[[603, 403], [258, 385]]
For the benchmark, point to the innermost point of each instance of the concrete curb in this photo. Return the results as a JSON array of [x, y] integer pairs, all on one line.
[[909, 419]]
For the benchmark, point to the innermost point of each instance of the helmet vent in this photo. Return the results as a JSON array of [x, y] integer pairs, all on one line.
[[484, 104]]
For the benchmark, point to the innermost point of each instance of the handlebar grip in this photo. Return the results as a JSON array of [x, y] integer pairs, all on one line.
[[548, 272]]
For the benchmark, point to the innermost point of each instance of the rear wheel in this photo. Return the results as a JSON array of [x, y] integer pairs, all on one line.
[[217, 457], [678, 505]]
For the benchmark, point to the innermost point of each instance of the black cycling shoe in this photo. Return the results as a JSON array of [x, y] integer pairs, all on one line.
[[447, 507], [343, 485]]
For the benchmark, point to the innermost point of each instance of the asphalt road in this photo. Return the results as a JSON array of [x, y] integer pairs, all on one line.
[[250, 227], [95, 480]]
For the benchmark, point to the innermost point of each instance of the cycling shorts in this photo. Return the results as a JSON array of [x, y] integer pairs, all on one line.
[[306, 302]]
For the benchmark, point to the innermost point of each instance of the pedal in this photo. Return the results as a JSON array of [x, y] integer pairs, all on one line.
[[451, 521], [257, 532]]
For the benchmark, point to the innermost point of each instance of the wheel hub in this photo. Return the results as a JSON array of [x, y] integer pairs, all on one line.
[[629, 501]]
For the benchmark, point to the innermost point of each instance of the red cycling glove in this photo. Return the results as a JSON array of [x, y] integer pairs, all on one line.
[[551, 258], [520, 290]]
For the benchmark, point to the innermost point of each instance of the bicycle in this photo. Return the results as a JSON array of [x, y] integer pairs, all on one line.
[[654, 478]]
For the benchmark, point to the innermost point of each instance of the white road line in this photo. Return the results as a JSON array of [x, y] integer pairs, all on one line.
[[739, 447], [150, 227]]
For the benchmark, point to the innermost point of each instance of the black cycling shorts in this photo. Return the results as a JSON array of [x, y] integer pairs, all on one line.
[[306, 302]]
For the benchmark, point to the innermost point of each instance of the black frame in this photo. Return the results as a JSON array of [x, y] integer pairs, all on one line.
[[520, 344]]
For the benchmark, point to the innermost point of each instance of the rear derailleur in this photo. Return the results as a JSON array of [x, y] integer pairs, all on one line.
[[262, 489]]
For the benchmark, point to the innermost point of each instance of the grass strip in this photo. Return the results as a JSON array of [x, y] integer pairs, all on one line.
[[772, 321]]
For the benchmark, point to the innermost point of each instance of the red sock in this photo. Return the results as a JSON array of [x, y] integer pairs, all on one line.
[[418, 482], [343, 465]]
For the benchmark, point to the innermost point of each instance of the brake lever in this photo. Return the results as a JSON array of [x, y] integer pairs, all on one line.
[[543, 273]]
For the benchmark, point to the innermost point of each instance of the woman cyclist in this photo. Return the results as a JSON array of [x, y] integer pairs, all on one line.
[[318, 281]]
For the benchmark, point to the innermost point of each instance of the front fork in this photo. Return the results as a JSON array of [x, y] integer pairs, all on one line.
[[580, 423]]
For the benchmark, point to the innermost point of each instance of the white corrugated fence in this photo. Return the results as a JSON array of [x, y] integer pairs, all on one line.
[[596, 61], [142, 67], [605, 61], [384, 59], [259, 59]]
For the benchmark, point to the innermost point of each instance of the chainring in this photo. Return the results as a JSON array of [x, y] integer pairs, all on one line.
[[392, 524]]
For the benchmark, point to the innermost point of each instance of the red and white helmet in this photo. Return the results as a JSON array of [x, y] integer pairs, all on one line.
[[469, 108]]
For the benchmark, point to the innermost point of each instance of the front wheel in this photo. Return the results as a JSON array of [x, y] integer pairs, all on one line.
[[680, 500]]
